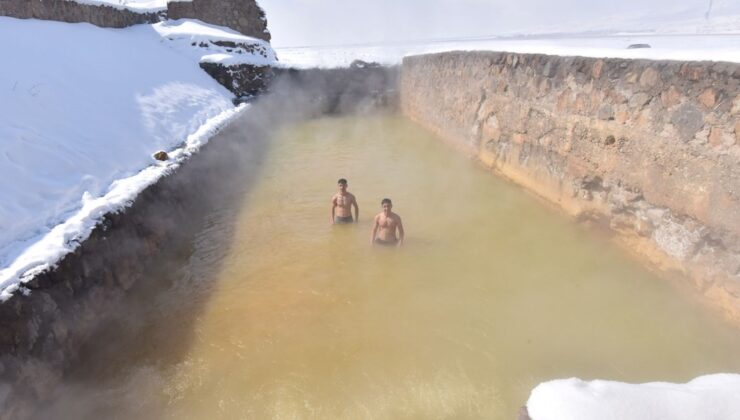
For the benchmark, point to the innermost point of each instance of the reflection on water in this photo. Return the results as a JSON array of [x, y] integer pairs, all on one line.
[[492, 294]]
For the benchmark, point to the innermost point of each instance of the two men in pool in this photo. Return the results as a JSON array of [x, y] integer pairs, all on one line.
[[385, 225]]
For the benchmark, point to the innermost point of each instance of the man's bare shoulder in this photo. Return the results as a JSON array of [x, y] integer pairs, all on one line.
[[351, 196]]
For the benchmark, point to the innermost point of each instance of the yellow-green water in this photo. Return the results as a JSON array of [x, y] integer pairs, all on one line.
[[492, 294]]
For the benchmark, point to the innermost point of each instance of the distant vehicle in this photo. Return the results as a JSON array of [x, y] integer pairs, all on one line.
[[633, 46], [359, 64]]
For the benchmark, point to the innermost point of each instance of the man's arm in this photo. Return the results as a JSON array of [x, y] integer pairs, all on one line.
[[333, 208], [400, 232], [357, 209], [375, 231]]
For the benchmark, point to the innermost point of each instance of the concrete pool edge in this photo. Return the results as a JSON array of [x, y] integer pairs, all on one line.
[[647, 148]]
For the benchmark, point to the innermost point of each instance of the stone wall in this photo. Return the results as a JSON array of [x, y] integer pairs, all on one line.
[[73, 12], [650, 149], [245, 16]]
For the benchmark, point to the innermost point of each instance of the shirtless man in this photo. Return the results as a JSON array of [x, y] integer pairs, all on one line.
[[386, 223], [341, 205]]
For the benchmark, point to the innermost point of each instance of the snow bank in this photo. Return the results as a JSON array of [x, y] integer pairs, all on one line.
[[712, 397], [717, 47], [82, 110], [198, 40]]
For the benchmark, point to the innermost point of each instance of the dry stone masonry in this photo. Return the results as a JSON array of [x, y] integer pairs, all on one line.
[[245, 16], [649, 148], [73, 12]]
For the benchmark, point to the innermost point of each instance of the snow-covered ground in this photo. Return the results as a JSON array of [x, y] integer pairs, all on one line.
[[710, 47], [186, 32], [712, 397], [679, 33], [82, 110]]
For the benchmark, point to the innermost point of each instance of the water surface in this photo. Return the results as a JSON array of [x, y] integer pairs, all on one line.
[[491, 294]]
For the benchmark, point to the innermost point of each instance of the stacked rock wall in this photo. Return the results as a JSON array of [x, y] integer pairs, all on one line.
[[245, 16], [73, 12], [649, 148]]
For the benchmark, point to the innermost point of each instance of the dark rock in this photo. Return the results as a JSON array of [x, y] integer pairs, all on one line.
[[161, 155], [688, 120], [634, 46], [606, 112], [549, 69], [243, 80], [359, 64]]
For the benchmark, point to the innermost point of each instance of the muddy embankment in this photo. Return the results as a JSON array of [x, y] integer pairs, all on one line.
[[114, 282], [650, 149]]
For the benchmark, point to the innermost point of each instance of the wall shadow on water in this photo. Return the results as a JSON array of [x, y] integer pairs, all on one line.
[[188, 220]]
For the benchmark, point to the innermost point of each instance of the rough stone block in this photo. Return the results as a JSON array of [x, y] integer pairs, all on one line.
[[670, 97], [708, 98], [597, 69], [606, 112], [649, 77], [715, 136], [639, 100], [688, 120]]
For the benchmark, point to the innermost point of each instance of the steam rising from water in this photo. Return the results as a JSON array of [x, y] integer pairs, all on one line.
[[278, 315]]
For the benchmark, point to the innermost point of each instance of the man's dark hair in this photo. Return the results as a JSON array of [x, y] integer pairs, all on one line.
[[386, 200], [342, 181]]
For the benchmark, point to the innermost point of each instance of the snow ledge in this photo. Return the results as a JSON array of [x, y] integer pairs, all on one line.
[[67, 236]]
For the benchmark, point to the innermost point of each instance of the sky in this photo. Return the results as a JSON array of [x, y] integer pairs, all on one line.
[[330, 22]]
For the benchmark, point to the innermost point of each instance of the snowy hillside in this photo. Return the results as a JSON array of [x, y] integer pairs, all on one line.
[[663, 47], [82, 110], [686, 30], [686, 18]]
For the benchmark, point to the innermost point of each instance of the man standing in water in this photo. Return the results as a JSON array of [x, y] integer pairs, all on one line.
[[341, 205], [386, 223]]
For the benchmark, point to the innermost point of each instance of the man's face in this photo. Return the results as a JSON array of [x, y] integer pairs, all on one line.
[[342, 187], [387, 208]]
